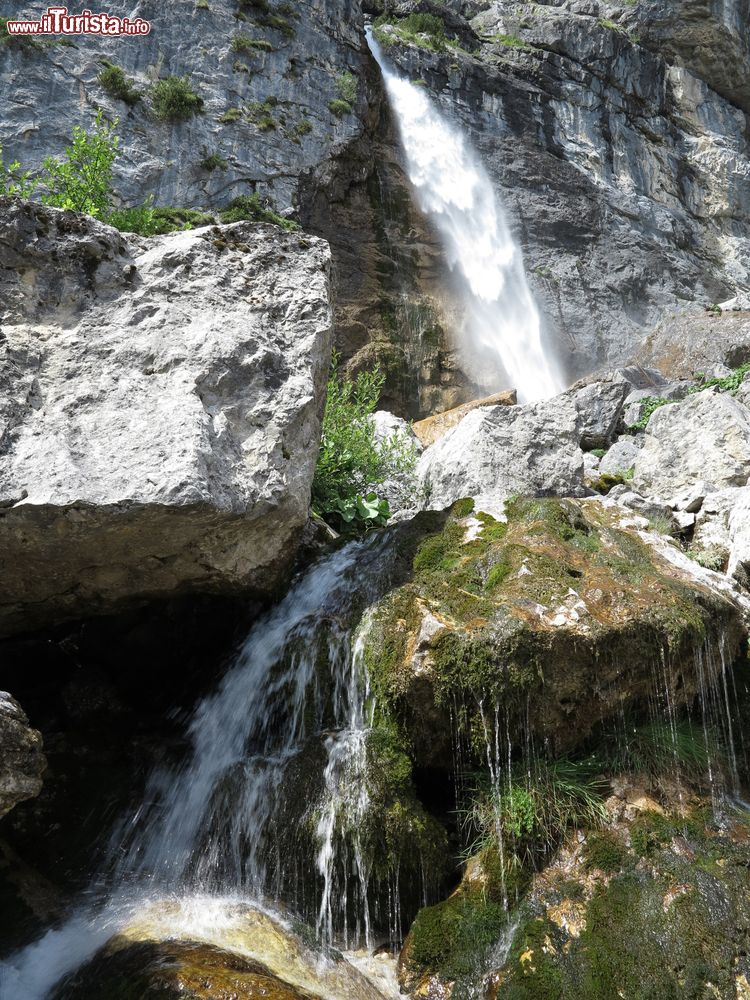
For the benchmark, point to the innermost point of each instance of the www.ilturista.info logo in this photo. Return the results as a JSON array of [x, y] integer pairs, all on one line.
[[57, 21]]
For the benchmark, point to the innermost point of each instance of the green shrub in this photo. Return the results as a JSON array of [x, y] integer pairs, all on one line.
[[14, 181], [25, 42], [650, 404], [114, 81], [510, 41], [340, 108], [244, 43], [534, 808], [82, 180], [656, 749], [346, 85], [213, 161], [424, 30], [303, 127], [201, 5], [249, 208], [730, 383], [139, 219], [175, 100], [352, 462], [145, 220], [231, 115]]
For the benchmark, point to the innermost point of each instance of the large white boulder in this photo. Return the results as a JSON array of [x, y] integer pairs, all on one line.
[[705, 438], [160, 405], [498, 451]]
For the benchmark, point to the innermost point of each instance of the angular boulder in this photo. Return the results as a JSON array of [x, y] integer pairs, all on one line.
[[22, 762], [160, 411], [704, 438], [498, 451]]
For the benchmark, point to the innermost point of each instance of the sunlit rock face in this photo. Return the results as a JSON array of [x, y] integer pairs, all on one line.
[[161, 410], [617, 143], [213, 949]]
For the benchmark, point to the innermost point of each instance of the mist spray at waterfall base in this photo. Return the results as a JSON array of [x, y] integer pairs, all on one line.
[[502, 342]]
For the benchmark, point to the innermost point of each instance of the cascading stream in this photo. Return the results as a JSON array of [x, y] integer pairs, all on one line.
[[214, 826], [503, 330]]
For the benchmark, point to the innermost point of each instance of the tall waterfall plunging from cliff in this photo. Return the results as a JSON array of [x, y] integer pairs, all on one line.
[[503, 329]]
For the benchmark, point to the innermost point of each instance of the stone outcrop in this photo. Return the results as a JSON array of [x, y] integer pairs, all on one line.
[[687, 344], [247, 954], [432, 428], [556, 611], [497, 451], [22, 762], [705, 438], [160, 410]]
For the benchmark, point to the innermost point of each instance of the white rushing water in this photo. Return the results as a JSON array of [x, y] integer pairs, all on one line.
[[216, 825], [503, 331]]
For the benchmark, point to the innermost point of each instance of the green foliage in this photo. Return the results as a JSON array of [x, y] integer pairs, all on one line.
[[145, 220], [249, 208], [303, 127], [351, 461], [340, 108], [713, 558], [82, 180], [260, 113], [139, 219], [605, 853], [730, 383], [650, 405], [346, 85], [14, 181], [424, 30], [201, 5], [213, 161], [246, 44], [510, 41], [608, 480], [231, 115], [175, 100], [535, 806], [655, 749], [114, 81], [363, 512], [25, 42]]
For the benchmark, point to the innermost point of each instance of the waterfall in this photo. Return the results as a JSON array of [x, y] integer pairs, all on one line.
[[218, 827], [503, 331]]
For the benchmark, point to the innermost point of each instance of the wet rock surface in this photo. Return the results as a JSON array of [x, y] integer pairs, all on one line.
[[22, 761], [161, 410]]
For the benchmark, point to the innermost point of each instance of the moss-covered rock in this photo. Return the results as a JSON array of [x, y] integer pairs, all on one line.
[[560, 615], [676, 926]]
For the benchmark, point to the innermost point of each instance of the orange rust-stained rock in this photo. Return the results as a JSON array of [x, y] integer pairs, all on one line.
[[432, 428]]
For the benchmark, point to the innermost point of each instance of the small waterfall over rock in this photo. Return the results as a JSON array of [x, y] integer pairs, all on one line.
[[272, 794], [503, 331]]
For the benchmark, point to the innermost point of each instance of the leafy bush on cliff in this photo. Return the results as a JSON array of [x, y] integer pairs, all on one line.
[[82, 179], [352, 462], [175, 100], [114, 81]]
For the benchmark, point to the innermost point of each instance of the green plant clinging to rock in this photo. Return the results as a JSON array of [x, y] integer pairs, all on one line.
[[352, 462], [175, 100], [82, 179], [114, 81]]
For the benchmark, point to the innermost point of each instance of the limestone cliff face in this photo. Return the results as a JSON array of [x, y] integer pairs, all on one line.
[[161, 410], [617, 138]]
